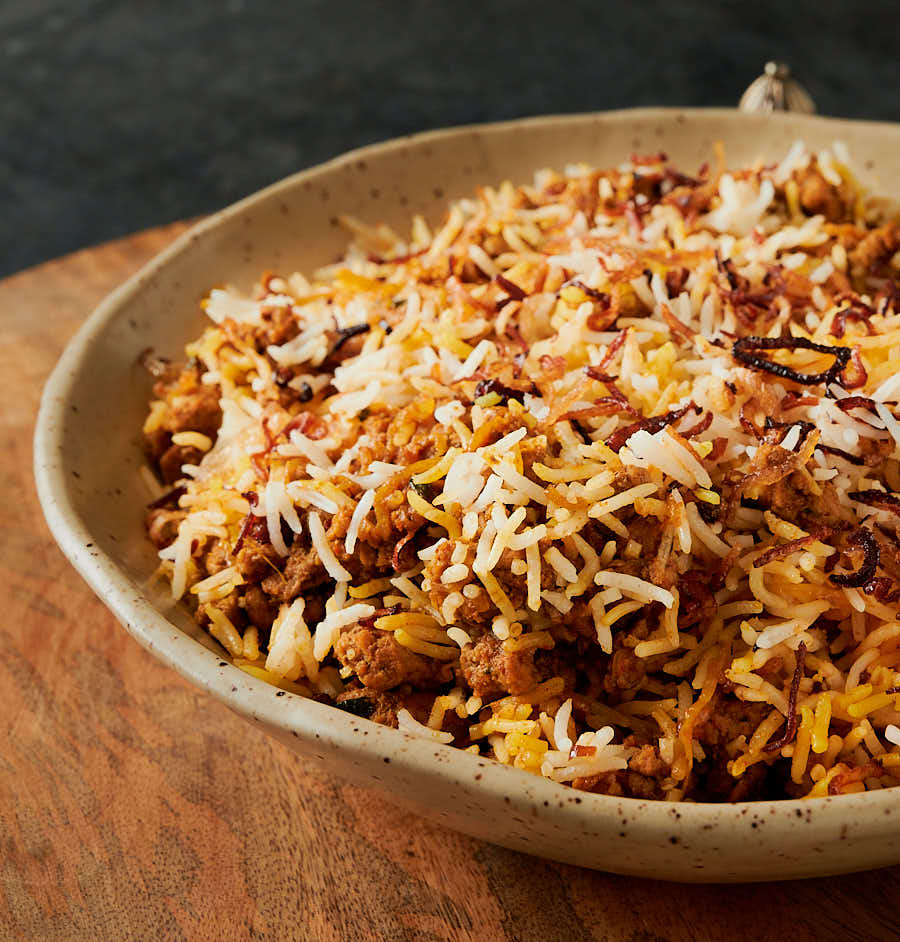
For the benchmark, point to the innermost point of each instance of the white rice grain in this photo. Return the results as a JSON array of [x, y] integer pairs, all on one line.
[[635, 588], [408, 724], [561, 726], [360, 512], [323, 548]]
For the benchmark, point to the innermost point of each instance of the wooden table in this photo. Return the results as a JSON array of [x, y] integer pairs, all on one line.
[[133, 806]]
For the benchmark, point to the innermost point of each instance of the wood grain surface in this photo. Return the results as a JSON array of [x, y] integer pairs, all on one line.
[[132, 806]]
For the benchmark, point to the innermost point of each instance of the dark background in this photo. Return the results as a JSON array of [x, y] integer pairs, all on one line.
[[117, 115]]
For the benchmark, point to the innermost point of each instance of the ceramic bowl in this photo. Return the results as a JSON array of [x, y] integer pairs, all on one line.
[[95, 402]]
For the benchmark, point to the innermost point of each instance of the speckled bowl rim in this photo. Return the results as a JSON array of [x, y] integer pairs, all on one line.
[[866, 815]]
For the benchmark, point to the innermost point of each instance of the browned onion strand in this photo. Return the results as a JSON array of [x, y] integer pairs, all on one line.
[[654, 424], [790, 729], [866, 572], [883, 500], [745, 350]]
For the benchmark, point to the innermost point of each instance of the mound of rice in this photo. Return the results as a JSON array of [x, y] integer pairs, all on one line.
[[600, 479]]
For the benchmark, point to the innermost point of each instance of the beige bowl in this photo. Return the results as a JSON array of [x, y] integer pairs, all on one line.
[[87, 454]]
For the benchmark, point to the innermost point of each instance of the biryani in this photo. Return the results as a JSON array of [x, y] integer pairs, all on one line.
[[599, 479]]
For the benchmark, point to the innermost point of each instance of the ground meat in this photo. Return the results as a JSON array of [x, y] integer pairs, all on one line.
[[516, 587], [642, 779], [819, 197], [230, 606], [490, 670], [374, 553], [692, 201], [661, 569], [789, 498], [578, 622], [403, 438], [697, 604], [871, 769], [622, 783], [381, 663], [793, 498], [769, 468], [378, 707], [190, 407], [383, 708], [162, 525], [257, 557], [772, 668], [196, 409], [606, 783], [173, 458], [727, 718], [647, 761], [303, 570], [647, 771], [216, 558], [626, 671], [279, 325], [875, 249], [260, 608], [874, 451]]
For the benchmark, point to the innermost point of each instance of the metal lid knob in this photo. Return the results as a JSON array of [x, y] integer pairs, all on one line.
[[775, 90]]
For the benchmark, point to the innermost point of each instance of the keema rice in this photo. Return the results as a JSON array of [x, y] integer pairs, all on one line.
[[599, 478]]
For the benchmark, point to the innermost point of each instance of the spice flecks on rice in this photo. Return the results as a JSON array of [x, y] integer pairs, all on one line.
[[600, 478]]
